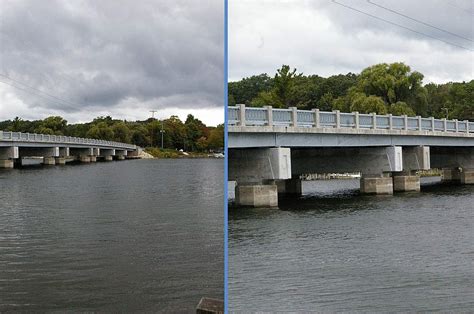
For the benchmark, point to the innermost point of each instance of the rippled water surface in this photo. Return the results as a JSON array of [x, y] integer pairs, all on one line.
[[335, 250], [138, 235]]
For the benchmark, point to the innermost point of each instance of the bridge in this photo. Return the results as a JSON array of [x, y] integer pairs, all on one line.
[[57, 149], [270, 149]]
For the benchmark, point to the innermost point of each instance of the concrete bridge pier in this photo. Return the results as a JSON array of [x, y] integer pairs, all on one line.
[[107, 154], [256, 195], [381, 184], [49, 154], [256, 172], [467, 176], [120, 154], [451, 175], [8, 156], [457, 163], [82, 154], [414, 159]]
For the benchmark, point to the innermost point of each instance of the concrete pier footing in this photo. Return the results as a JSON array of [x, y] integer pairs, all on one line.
[[109, 158], [257, 195], [93, 158], [376, 185], [50, 161], [60, 160], [6, 163], [467, 176], [451, 175], [120, 157], [406, 183], [84, 158]]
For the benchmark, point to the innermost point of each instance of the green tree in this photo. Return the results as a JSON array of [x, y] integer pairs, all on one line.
[[101, 131]]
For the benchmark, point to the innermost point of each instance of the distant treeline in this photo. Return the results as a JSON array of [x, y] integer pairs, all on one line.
[[382, 88], [191, 135]]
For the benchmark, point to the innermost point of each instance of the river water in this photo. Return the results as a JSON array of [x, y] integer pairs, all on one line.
[[335, 250], [129, 236]]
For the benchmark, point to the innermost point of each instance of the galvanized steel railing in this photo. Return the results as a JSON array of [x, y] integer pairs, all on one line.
[[267, 116], [59, 139]]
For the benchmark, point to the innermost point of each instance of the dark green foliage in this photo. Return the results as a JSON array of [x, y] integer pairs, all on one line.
[[381, 88]]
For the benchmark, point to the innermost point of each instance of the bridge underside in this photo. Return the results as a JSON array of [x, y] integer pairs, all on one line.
[[28, 153], [262, 173]]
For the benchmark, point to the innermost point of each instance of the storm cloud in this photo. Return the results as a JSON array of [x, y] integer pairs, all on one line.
[[119, 58], [327, 37]]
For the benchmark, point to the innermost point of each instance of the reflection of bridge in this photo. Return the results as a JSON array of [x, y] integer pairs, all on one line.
[[269, 149], [55, 149]]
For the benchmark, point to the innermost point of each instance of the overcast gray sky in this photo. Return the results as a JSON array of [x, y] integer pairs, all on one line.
[[325, 38], [111, 57]]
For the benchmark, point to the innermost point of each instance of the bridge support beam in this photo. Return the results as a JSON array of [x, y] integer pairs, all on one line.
[[380, 185], [256, 195]]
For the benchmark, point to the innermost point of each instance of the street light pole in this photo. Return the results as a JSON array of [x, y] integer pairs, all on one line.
[[162, 131], [152, 129]]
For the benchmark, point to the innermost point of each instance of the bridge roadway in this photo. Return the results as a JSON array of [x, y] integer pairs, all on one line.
[[55, 149], [270, 149]]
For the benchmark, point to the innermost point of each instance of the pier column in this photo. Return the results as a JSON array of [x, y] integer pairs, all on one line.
[[7, 156], [256, 195], [451, 175], [406, 182], [376, 184]]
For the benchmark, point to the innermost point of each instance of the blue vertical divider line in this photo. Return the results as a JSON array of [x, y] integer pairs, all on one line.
[[226, 160]]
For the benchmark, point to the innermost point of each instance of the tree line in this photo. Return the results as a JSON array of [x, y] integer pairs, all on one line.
[[190, 135], [382, 88]]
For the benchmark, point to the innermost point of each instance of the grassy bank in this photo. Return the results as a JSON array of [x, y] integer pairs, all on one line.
[[171, 153]]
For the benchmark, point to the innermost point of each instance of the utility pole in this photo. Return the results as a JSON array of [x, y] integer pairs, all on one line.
[[162, 132], [152, 129]]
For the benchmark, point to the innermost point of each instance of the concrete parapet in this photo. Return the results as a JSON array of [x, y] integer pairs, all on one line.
[[467, 176], [376, 185], [451, 175], [49, 161], [256, 195], [406, 183], [6, 163]]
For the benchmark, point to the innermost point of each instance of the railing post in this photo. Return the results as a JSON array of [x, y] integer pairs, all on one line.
[[374, 120], [405, 122], [467, 126], [420, 128], [242, 114], [294, 116], [316, 118], [269, 116], [433, 124], [338, 119], [445, 125], [390, 122], [456, 125], [356, 119]]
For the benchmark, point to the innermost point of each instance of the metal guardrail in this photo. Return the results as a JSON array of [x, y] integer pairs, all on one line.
[[267, 116], [59, 139]]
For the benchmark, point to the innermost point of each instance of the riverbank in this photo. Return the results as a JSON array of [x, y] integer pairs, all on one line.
[[154, 152]]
